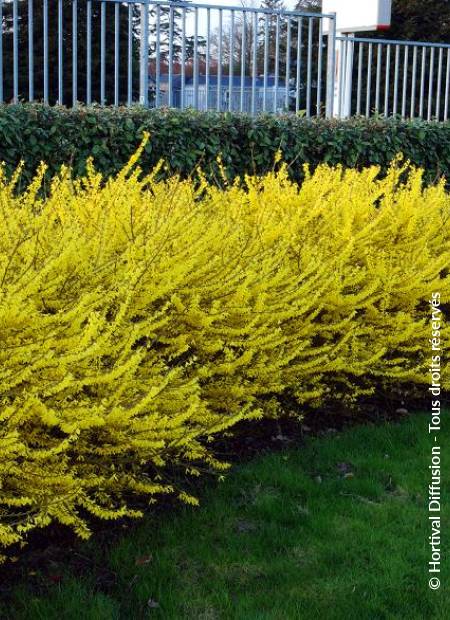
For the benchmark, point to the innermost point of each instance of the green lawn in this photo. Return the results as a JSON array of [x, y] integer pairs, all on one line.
[[334, 529]]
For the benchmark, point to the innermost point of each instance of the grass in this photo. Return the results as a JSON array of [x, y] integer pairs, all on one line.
[[335, 529]]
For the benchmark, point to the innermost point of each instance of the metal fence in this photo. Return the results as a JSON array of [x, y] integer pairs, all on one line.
[[165, 53], [381, 76], [211, 57]]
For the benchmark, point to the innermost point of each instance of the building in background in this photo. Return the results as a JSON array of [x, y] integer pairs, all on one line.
[[267, 90]]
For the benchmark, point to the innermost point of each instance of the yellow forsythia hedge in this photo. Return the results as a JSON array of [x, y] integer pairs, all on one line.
[[138, 318]]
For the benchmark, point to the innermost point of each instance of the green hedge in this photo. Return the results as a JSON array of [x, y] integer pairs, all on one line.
[[35, 132]]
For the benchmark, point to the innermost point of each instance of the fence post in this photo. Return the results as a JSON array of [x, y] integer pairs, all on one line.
[[331, 67], [1, 52], [143, 68], [348, 77]]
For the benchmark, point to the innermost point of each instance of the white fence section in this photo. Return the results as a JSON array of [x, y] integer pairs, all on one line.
[[381, 76]]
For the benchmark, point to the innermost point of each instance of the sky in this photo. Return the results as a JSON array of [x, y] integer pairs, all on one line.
[[288, 3], [202, 20]]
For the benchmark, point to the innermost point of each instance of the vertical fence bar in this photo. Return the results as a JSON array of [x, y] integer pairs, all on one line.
[[195, 51], [378, 79], [319, 69], [183, 59], [299, 63], [309, 67], [102, 53], [30, 50], [1, 51], [422, 81], [345, 58], [208, 52], [331, 66], [45, 48], [130, 56], [348, 80], [288, 63], [340, 73], [266, 60], [158, 55], [439, 84], [369, 79], [230, 68], [387, 83], [430, 85], [171, 57], [396, 75], [243, 44], [89, 52], [74, 52], [447, 85], [277, 63], [413, 84], [254, 62], [60, 52], [359, 84], [342, 63], [405, 81], [16, 50], [116, 52], [143, 60], [219, 63]]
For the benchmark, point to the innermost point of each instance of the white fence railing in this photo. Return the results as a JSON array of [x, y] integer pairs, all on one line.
[[381, 76], [165, 53]]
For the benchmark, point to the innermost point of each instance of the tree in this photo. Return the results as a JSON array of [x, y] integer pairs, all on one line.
[[417, 20], [309, 6], [242, 46], [269, 21], [170, 29], [191, 48]]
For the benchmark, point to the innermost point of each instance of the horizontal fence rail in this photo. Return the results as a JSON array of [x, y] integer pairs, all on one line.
[[166, 54], [389, 77]]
